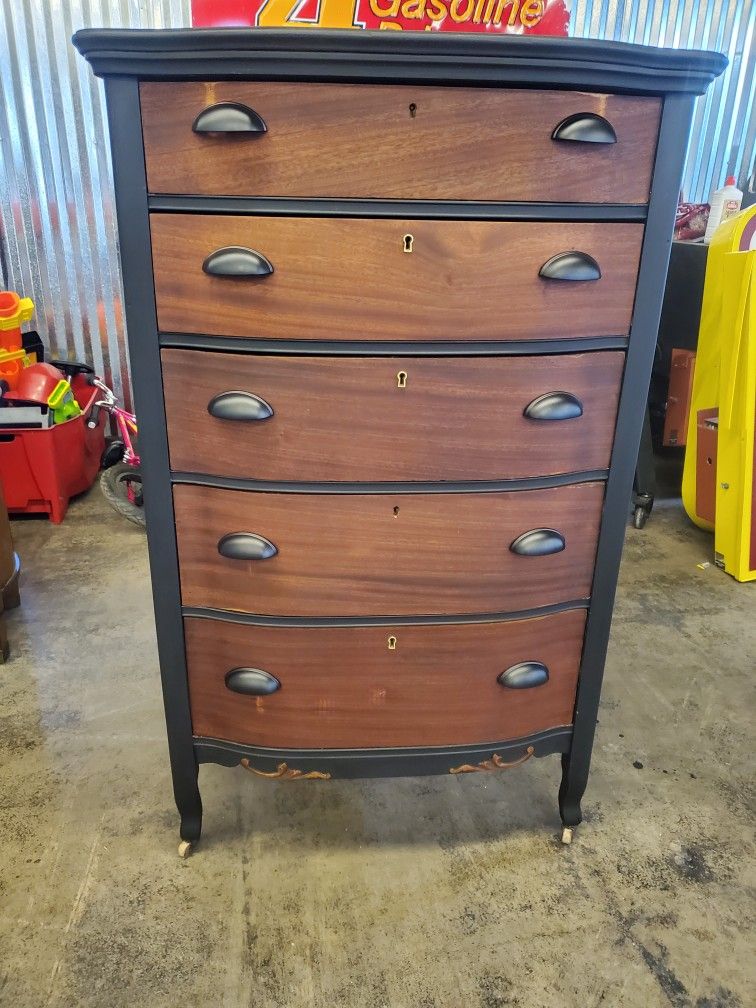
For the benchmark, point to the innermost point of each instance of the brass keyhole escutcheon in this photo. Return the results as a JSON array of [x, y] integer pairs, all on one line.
[[392, 643], [401, 379], [408, 243]]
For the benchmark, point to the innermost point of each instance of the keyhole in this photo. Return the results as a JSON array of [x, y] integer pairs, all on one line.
[[408, 241], [412, 110], [401, 379], [396, 512], [392, 643]]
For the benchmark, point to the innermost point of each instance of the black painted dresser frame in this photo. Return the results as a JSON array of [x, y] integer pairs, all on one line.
[[124, 58]]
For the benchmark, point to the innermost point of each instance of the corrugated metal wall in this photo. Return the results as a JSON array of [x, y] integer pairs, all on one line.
[[58, 241], [58, 238]]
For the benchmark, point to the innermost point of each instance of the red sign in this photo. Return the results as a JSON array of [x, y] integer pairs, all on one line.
[[516, 17]]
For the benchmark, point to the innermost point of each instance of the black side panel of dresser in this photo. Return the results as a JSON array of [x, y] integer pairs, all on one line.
[[657, 243], [144, 355]]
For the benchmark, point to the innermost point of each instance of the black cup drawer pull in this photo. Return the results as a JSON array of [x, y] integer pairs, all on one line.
[[242, 406], [229, 117], [538, 542], [571, 266], [235, 261], [585, 127], [252, 682], [246, 546], [554, 406], [525, 675]]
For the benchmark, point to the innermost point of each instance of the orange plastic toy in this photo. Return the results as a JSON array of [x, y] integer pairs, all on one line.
[[14, 310], [12, 363]]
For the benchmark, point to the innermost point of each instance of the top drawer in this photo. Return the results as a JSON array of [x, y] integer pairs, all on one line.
[[397, 142]]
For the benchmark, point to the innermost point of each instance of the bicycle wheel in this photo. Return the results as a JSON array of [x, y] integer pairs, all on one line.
[[121, 486]]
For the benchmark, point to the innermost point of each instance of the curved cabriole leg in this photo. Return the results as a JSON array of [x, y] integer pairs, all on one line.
[[189, 804], [571, 791]]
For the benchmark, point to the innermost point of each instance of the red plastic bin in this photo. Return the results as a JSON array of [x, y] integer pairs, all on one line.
[[42, 469]]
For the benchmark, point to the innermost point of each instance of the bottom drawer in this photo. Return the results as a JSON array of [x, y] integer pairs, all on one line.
[[382, 686]]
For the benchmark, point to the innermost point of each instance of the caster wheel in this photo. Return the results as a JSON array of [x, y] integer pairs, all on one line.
[[184, 849], [640, 517], [567, 835]]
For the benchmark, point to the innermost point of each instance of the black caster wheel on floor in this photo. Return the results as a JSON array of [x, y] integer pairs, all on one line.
[[640, 517], [644, 503]]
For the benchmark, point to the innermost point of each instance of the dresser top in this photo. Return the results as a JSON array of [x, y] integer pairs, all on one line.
[[392, 57]]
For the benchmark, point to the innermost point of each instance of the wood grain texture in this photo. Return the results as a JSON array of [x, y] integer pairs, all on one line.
[[341, 687], [345, 419], [385, 554], [349, 279], [335, 140]]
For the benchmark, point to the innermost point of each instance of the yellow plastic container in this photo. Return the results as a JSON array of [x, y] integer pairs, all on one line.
[[735, 524], [718, 476]]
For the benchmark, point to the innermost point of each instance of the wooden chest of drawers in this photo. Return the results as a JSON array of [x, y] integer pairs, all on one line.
[[392, 303]]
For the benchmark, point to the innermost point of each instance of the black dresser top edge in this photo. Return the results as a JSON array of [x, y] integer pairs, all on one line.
[[396, 57]]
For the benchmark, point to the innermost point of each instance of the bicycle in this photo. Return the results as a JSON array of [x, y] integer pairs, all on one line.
[[120, 480]]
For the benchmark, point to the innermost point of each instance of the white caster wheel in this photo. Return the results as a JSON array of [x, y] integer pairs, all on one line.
[[567, 835], [184, 849]]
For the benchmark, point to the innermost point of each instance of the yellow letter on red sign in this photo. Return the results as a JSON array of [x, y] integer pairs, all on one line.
[[330, 14], [531, 13]]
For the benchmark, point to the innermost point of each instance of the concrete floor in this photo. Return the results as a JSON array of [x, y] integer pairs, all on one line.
[[415, 893]]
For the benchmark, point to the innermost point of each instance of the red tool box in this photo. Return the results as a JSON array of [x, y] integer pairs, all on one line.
[[42, 467]]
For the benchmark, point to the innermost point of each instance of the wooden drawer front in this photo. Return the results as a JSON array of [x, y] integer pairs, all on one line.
[[330, 140], [342, 687], [350, 279], [384, 554], [347, 419]]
